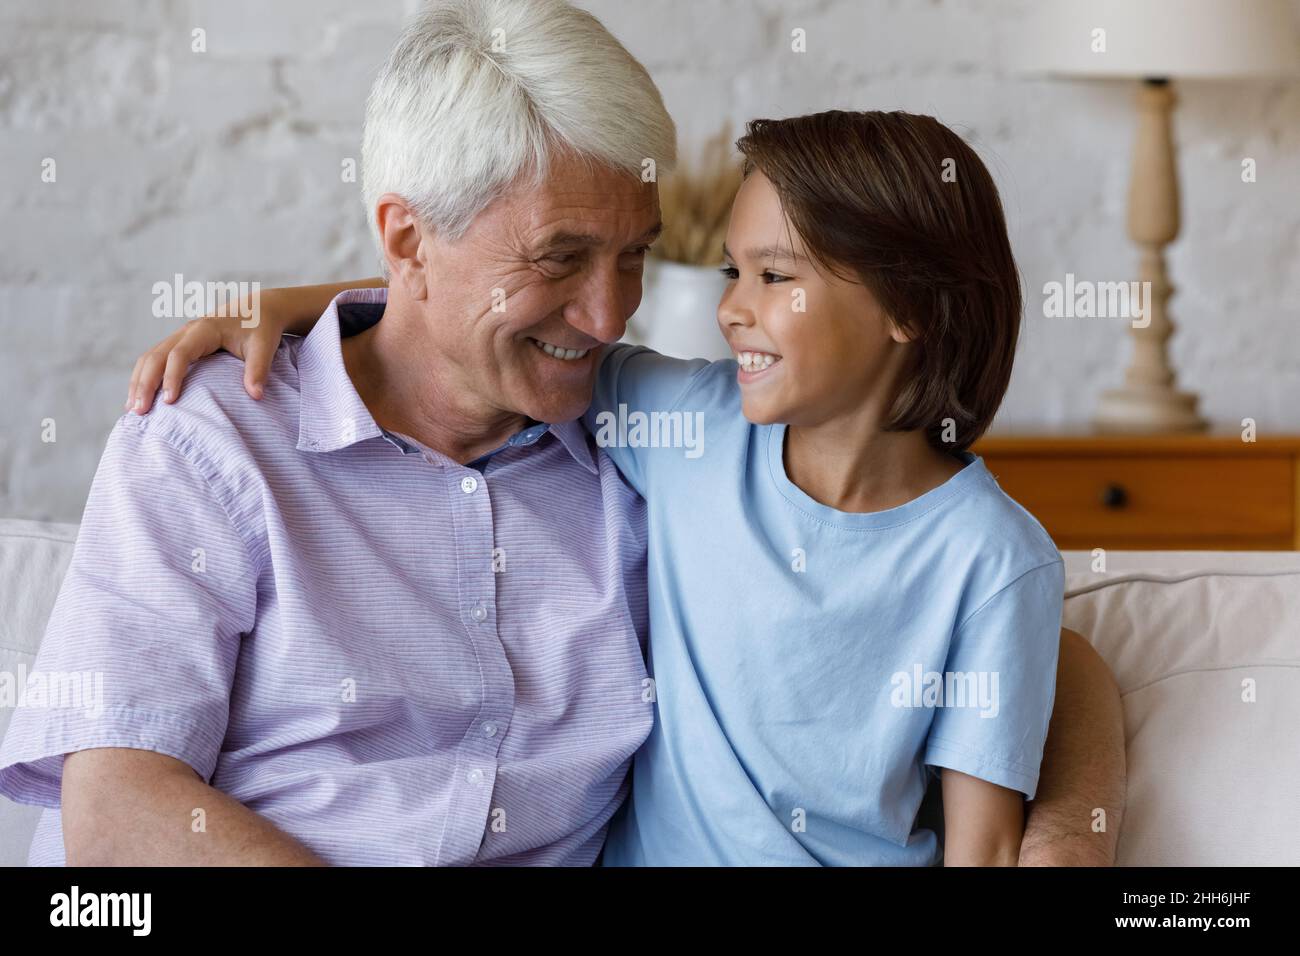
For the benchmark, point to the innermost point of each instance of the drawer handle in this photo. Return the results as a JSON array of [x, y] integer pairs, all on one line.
[[1114, 497]]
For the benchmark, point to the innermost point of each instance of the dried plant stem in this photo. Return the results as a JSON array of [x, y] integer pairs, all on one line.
[[696, 205]]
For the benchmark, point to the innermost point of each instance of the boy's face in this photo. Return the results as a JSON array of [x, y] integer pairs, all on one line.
[[825, 349]]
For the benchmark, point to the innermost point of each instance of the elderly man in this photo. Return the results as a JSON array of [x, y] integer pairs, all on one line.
[[309, 647]]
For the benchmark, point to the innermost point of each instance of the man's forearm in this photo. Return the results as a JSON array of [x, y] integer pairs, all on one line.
[[1075, 817], [138, 808]]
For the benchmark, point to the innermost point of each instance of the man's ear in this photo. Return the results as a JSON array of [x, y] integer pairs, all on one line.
[[402, 235]]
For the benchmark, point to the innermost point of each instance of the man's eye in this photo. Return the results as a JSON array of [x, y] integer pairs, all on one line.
[[633, 260], [731, 272], [562, 258]]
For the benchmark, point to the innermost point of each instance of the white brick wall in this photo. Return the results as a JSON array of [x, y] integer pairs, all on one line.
[[225, 165]]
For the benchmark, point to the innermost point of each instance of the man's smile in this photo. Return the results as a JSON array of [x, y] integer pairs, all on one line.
[[559, 351]]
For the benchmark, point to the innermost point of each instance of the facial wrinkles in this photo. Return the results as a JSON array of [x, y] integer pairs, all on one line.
[[496, 265], [586, 214]]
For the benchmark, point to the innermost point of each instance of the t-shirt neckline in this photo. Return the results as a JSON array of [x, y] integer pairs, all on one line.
[[973, 472]]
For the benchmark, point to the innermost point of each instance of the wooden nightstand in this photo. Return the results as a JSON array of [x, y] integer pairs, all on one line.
[[1154, 492]]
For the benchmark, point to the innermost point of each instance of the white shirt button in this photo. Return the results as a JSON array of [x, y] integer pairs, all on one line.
[[489, 729], [469, 484], [475, 776], [479, 613]]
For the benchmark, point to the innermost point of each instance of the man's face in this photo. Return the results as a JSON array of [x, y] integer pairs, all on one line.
[[522, 303]]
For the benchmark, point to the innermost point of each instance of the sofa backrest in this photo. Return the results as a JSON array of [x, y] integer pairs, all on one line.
[[1206, 650]]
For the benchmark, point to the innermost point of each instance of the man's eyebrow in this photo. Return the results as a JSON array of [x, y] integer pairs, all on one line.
[[651, 234], [569, 239], [767, 254], [580, 240]]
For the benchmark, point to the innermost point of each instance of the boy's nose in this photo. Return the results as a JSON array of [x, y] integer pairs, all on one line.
[[732, 313]]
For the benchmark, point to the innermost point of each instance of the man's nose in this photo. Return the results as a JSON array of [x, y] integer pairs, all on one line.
[[598, 309]]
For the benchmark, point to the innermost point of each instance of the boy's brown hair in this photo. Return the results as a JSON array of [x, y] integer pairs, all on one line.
[[867, 193]]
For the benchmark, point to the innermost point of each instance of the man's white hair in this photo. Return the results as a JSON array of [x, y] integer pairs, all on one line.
[[480, 94]]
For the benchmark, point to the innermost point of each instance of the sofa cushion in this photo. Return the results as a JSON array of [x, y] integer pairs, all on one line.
[[1206, 650], [33, 558]]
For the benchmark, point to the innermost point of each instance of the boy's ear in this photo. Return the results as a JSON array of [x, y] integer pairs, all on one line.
[[898, 333], [402, 236]]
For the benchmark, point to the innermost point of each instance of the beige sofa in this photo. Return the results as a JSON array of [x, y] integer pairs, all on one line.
[[1205, 646]]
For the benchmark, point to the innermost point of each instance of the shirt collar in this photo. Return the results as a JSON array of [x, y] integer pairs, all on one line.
[[333, 416], [574, 438]]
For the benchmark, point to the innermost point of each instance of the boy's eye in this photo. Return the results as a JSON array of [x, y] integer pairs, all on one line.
[[767, 275]]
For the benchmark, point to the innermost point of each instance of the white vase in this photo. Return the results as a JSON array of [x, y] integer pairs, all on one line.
[[678, 313]]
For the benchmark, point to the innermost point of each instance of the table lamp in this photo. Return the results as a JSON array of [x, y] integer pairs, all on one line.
[[1156, 41]]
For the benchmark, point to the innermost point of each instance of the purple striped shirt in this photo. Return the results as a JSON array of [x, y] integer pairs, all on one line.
[[395, 658]]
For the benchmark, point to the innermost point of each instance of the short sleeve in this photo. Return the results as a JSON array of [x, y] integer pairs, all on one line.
[[634, 380], [141, 646], [1004, 656]]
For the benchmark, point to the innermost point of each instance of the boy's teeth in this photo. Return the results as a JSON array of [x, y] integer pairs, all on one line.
[[565, 355], [756, 361]]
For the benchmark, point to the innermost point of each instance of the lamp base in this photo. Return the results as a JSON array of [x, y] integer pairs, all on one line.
[[1148, 408]]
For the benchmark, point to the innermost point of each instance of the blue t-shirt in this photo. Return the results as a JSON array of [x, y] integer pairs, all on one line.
[[810, 666]]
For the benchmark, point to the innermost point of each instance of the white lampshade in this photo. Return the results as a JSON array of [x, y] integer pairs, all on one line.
[[1160, 38]]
